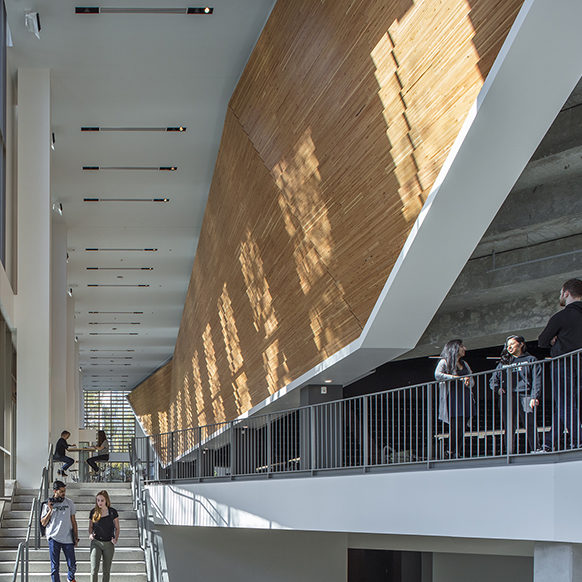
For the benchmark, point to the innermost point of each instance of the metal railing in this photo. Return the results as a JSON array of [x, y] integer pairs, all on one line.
[[22, 561], [485, 415], [149, 537]]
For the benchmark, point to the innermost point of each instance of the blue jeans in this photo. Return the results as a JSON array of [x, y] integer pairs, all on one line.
[[68, 461], [55, 554]]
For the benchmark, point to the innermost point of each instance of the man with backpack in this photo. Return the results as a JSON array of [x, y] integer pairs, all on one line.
[[58, 517]]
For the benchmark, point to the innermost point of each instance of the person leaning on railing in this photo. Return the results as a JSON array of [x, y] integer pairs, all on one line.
[[563, 334], [456, 403], [518, 376]]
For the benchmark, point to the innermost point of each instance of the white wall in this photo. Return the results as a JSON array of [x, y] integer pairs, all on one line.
[[255, 556], [475, 568], [525, 502]]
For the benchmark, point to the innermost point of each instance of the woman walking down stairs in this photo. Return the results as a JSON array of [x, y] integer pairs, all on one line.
[[128, 562]]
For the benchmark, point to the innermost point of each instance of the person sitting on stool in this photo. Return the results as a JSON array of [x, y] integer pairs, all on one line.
[[60, 453], [103, 448]]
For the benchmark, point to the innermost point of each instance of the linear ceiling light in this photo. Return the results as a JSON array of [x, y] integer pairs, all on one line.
[[122, 250], [115, 312], [204, 10], [116, 285], [119, 333], [132, 168], [114, 323], [174, 129], [120, 268], [96, 350], [126, 199]]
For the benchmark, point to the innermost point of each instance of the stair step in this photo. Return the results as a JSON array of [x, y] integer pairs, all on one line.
[[82, 554], [142, 577], [10, 532], [83, 566], [82, 521], [123, 506], [12, 542]]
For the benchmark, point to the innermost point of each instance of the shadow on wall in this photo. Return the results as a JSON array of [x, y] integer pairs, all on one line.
[[333, 139], [175, 506]]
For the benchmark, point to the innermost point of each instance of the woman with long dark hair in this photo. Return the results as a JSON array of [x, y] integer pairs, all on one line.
[[104, 534], [455, 397], [517, 376], [103, 448]]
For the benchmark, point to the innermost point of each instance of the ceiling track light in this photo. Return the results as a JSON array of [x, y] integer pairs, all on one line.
[[116, 313], [131, 168], [114, 323], [122, 250], [119, 268], [176, 129], [112, 333], [204, 10], [126, 199]]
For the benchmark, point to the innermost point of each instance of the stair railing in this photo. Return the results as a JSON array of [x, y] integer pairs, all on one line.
[[150, 539], [22, 562]]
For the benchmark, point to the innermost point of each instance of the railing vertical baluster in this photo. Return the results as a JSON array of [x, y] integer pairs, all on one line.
[[312, 439], [365, 429], [269, 444], [429, 428]]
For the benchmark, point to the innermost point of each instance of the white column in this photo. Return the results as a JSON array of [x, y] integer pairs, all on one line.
[[557, 562], [73, 419], [59, 329], [32, 316]]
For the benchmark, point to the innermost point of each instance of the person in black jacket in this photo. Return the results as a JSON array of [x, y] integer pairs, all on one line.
[[519, 378], [60, 453], [563, 335]]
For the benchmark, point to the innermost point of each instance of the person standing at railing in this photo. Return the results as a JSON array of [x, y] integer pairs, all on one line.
[[456, 404], [563, 334], [517, 376], [60, 453], [104, 535]]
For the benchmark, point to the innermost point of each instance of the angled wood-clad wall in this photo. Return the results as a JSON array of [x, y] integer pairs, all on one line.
[[332, 141]]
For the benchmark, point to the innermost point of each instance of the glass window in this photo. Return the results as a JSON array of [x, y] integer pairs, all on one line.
[[110, 411]]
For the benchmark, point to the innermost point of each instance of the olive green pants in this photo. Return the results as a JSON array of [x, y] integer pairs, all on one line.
[[98, 549]]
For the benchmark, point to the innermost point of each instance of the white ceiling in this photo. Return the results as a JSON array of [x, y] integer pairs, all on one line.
[[134, 70]]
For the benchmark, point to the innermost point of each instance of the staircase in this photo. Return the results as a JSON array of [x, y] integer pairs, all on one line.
[[128, 562]]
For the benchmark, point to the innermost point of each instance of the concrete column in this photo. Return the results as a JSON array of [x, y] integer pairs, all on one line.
[[73, 420], [59, 329], [33, 300], [557, 562]]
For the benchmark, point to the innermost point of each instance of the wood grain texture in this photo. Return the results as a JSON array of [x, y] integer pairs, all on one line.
[[333, 138]]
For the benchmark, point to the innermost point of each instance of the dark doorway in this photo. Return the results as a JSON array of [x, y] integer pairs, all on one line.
[[384, 566]]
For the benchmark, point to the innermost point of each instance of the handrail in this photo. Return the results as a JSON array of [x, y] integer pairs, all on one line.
[[149, 539], [409, 424], [22, 562]]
